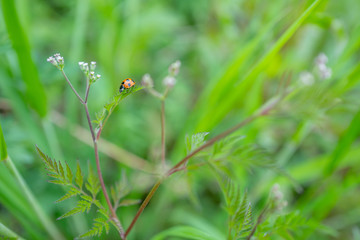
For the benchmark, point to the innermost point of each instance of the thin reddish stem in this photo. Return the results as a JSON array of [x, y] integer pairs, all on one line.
[[264, 110], [143, 205]]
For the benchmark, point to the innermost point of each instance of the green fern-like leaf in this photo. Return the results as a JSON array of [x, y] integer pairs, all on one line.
[[69, 173], [55, 169], [71, 193], [98, 227], [79, 179], [120, 190], [239, 210], [195, 141], [93, 184], [81, 207]]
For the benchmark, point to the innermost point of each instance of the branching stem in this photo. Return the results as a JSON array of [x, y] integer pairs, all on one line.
[[114, 218], [264, 110]]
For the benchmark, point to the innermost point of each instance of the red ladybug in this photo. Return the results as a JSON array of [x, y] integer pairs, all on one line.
[[127, 83]]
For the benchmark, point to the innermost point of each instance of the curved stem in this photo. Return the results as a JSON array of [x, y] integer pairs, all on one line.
[[68, 81], [262, 111], [103, 187], [143, 205], [114, 218]]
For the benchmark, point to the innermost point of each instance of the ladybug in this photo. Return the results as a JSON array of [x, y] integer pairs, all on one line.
[[127, 83]]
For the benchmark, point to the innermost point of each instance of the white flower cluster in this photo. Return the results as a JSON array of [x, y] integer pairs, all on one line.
[[57, 60], [170, 80], [322, 71], [89, 71], [278, 197]]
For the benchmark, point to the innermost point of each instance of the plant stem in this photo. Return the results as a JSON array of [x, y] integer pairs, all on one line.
[[163, 133], [68, 81], [114, 218], [103, 187], [264, 110], [143, 205]]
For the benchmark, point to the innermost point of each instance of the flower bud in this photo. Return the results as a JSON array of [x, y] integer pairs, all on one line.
[[92, 66], [174, 68], [147, 81], [169, 81]]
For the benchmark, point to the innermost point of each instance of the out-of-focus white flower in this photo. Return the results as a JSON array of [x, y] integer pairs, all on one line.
[[147, 81], [306, 78], [174, 68], [324, 71], [321, 59], [169, 81], [92, 66], [278, 197]]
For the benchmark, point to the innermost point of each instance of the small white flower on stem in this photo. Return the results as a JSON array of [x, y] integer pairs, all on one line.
[[321, 59], [169, 81], [324, 71], [52, 61], [92, 66], [306, 78], [174, 68], [147, 81]]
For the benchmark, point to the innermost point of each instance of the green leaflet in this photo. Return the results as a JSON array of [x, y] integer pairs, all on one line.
[[98, 226]]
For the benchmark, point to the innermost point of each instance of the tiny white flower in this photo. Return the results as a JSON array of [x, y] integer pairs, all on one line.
[[306, 78], [321, 59], [92, 66], [147, 81], [174, 68], [169, 81]]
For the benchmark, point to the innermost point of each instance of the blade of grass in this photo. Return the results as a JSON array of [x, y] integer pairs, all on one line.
[[3, 150], [44, 219], [211, 117], [7, 233], [35, 92], [344, 144]]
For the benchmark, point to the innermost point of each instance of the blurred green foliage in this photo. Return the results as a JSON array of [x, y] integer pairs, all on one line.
[[233, 54]]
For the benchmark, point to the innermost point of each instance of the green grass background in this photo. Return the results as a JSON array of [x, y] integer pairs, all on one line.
[[233, 53]]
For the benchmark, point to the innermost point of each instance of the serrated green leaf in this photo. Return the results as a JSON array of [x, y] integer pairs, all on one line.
[[61, 170], [195, 141], [87, 198], [79, 179], [104, 212], [60, 182], [129, 202], [81, 207], [71, 193], [93, 183], [97, 229], [69, 174]]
